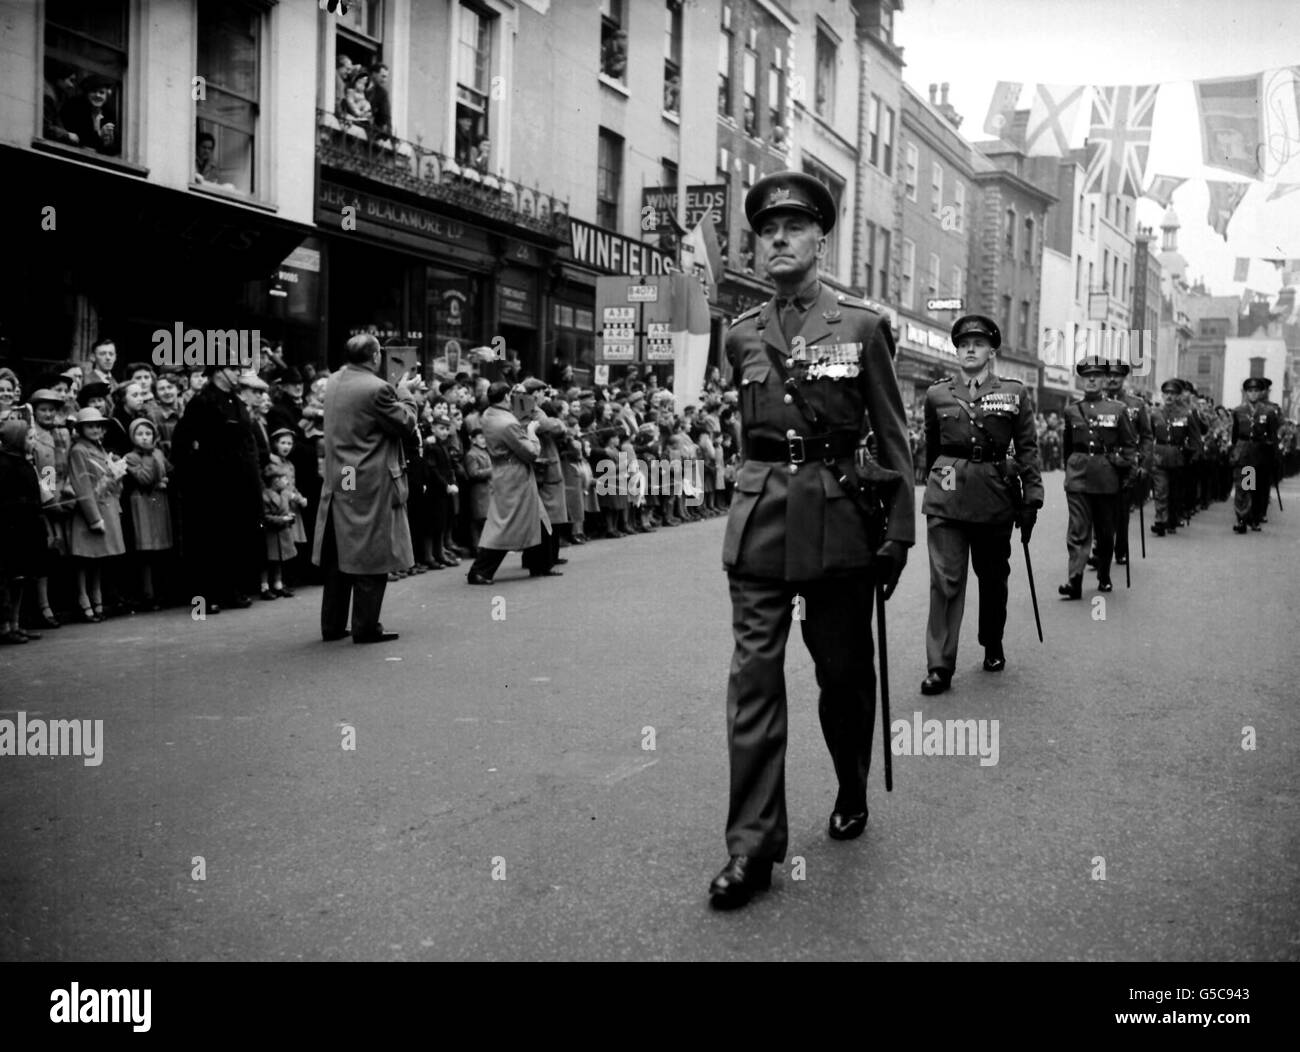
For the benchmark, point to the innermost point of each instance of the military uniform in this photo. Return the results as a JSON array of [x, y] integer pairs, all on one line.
[[1100, 449], [795, 537], [1255, 446], [1174, 437], [1134, 494], [971, 502]]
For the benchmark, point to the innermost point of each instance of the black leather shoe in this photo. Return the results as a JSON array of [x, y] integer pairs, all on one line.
[[1072, 589], [739, 879], [1239, 527], [1104, 585], [376, 637], [475, 578], [994, 659], [937, 681], [846, 825]]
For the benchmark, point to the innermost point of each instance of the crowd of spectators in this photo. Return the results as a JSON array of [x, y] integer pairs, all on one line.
[[108, 505]]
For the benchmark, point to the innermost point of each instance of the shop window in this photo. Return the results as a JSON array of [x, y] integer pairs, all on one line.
[[474, 64], [609, 179], [613, 40], [85, 71], [575, 338], [229, 61], [672, 56]]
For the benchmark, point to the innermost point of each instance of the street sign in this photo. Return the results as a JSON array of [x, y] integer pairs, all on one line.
[[951, 303]]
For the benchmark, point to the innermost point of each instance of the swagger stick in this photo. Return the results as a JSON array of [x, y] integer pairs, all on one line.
[[884, 687]]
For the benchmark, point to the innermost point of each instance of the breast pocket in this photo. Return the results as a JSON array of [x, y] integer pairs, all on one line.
[[953, 426], [757, 395]]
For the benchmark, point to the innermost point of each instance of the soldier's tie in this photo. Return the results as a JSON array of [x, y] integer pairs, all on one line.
[[791, 322]]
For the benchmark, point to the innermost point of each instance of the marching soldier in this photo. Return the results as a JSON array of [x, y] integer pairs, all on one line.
[[1195, 452], [1277, 466], [1100, 451], [1173, 437], [972, 498], [816, 370], [1116, 374], [1255, 426]]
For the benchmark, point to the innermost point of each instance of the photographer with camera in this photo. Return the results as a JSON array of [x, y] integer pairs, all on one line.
[[516, 518]]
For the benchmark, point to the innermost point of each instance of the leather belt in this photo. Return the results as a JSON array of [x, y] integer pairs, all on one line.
[[802, 448], [976, 454]]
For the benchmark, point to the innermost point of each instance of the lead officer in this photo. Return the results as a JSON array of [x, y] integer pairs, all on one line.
[[795, 543]]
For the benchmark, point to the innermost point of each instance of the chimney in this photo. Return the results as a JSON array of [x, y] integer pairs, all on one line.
[[944, 88], [934, 88]]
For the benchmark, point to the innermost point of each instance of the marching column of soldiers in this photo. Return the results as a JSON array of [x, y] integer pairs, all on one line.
[[822, 517]]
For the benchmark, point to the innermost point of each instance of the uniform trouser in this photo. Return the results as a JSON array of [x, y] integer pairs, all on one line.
[[1124, 503], [1164, 490], [1090, 512], [537, 559], [837, 631], [365, 593], [951, 544], [1251, 505]]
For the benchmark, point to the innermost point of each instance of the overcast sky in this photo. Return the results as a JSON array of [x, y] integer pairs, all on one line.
[[972, 45]]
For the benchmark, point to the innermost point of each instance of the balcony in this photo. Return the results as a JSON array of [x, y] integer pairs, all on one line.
[[409, 166]]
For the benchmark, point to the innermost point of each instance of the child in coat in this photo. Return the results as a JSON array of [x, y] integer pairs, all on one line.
[[277, 523], [96, 532], [146, 486], [282, 443], [478, 471]]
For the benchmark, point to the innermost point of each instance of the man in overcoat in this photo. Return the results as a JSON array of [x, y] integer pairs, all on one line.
[[217, 470], [517, 518], [362, 533]]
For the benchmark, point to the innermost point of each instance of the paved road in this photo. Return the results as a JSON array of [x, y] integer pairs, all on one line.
[[483, 741]]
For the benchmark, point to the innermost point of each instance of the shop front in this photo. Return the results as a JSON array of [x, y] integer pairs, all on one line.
[[925, 354], [431, 287], [594, 251], [113, 255]]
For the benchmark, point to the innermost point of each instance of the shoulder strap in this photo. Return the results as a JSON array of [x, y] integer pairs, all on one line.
[[792, 388]]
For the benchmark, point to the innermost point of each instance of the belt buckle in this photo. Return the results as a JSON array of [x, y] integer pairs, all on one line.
[[791, 442], [976, 454]]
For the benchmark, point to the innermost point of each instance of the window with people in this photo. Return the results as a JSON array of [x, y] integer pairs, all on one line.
[[473, 83], [85, 69], [361, 79], [226, 111]]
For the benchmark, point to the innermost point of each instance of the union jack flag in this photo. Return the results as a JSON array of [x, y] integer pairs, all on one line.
[[1120, 139]]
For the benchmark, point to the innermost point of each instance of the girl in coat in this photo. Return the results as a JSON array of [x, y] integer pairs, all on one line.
[[478, 472], [282, 443], [96, 532], [146, 487], [22, 533], [277, 522]]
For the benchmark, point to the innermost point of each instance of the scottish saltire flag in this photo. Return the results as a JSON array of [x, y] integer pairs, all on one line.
[[1052, 117], [1002, 108], [1162, 189], [1120, 139], [1231, 114], [1224, 199]]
